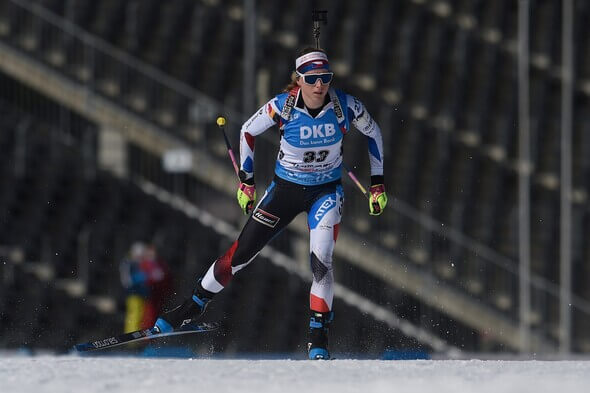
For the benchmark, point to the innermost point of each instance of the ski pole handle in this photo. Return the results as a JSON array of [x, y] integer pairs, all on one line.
[[376, 206], [221, 124]]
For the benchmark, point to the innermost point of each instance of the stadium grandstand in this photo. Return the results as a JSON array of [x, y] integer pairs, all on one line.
[[95, 94]]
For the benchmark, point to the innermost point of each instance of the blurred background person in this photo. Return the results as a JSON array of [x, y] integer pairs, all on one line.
[[147, 284]]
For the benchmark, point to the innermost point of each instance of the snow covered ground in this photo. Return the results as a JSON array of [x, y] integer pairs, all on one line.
[[108, 374]]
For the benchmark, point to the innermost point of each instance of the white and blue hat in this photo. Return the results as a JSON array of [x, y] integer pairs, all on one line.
[[311, 61]]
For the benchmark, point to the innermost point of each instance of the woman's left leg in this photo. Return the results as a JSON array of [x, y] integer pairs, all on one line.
[[323, 220]]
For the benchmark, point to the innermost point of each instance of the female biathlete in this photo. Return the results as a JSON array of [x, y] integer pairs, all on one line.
[[312, 118]]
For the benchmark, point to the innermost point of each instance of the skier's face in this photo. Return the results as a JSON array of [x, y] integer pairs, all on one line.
[[314, 93]]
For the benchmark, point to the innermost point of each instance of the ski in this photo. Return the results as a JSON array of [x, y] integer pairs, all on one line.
[[145, 334]]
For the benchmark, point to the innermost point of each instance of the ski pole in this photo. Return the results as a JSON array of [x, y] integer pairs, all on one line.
[[221, 124], [360, 187], [356, 181]]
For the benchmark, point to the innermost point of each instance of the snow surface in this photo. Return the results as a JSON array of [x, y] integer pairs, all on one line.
[[157, 375]]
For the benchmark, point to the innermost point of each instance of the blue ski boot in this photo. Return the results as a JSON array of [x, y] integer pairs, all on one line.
[[191, 309], [319, 325]]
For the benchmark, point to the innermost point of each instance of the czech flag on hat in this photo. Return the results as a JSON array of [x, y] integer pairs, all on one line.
[[311, 61]]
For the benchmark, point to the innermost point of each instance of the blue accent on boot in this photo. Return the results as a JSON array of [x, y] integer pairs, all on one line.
[[314, 324], [200, 302], [319, 353], [163, 326]]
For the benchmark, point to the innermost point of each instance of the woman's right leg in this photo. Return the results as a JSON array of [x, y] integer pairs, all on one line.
[[275, 211]]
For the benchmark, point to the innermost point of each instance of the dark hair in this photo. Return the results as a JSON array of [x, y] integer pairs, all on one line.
[[294, 76]]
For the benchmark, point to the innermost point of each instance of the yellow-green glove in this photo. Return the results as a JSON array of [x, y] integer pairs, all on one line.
[[378, 199], [246, 197]]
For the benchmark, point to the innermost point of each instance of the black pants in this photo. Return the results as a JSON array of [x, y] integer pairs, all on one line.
[[281, 203]]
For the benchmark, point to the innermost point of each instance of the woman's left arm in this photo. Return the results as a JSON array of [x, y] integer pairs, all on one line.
[[362, 121]]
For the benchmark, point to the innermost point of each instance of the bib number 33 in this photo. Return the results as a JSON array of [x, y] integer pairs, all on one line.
[[311, 156]]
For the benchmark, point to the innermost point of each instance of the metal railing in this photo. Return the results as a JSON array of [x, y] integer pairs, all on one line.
[[102, 67]]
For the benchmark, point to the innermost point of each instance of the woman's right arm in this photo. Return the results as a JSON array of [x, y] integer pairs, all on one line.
[[262, 120]]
